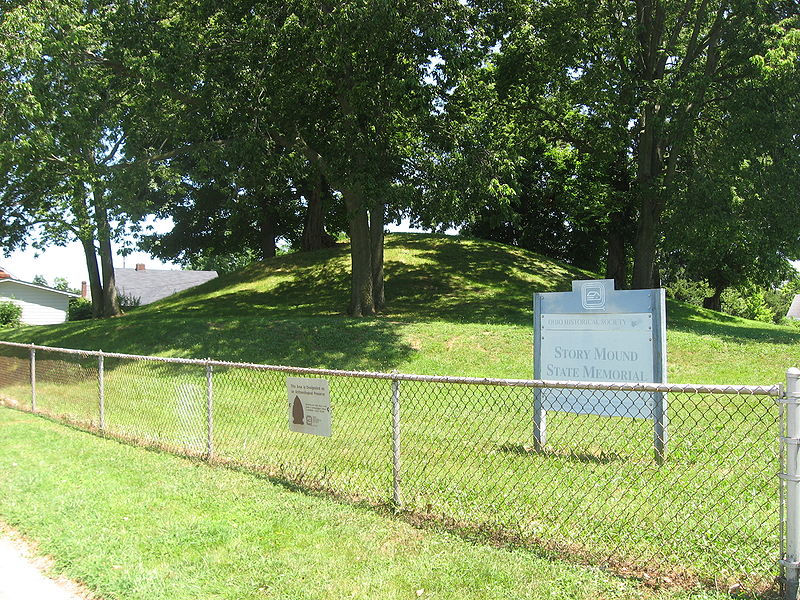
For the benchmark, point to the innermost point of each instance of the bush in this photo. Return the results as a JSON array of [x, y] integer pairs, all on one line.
[[80, 309], [128, 301], [685, 290], [10, 314], [790, 322], [747, 302]]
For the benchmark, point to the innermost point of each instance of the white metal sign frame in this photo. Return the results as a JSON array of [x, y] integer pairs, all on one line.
[[597, 333]]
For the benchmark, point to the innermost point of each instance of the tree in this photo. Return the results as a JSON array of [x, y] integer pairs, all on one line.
[[357, 103], [731, 224], [61, 283], [276, 78], [60, 136], [227, 208], [240, 181], [558, 208], [628, 83]]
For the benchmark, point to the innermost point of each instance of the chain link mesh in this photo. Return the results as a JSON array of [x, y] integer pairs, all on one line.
[[594, 491]]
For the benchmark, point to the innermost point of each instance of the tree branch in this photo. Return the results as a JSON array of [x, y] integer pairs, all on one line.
[[188, 149], [113, 151], [566, 134]]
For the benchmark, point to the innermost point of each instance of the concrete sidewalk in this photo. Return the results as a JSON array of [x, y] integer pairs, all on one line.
[[21, 578]]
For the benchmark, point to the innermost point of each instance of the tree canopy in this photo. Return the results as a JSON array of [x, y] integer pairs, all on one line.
[[642, 137]]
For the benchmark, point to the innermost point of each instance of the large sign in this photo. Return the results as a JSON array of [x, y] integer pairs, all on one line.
[[309, 405], [597, 333]]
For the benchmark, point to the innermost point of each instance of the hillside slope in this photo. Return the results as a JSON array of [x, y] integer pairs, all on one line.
[[455, 306], [428, 277]]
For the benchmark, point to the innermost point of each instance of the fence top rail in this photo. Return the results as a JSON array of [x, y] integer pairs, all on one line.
[[689, 388]]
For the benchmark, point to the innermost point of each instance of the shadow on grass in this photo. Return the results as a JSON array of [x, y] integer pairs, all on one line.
[[462, 280], [649, 574], [305, 283], [329, 342], [427, 277], [693, 319], [290, 310], [599, 458]]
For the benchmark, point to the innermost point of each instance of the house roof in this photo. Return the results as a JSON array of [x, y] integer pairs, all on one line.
[[794, 309], [149, 285], [38, 287]]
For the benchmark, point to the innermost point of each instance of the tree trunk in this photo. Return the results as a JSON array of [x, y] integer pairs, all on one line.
[[314, 236], [266, 223], [361, 295], [655, 283], [644, 250], [650, 207], [95, 285], [714, 302], [376, 222], [110, 300], [364, 238], [617, 261], [619, 223]]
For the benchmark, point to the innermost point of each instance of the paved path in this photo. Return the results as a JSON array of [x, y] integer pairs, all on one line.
[[20, 579]]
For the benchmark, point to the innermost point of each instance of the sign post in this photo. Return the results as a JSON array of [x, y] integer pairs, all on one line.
[[597, 333]]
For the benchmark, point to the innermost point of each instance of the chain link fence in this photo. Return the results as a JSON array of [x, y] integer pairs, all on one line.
[[461, 451]]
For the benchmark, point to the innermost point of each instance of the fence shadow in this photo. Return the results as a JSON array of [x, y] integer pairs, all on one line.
[[601, 458], [653, 577]]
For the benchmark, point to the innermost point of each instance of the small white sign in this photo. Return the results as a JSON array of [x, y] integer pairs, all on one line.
[[309, 405]]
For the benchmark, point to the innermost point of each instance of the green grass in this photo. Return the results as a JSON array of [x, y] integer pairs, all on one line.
[[457, 307], [710, 513], [131, 523]]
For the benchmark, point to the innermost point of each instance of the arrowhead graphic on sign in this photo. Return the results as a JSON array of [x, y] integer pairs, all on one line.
[[298, 416]]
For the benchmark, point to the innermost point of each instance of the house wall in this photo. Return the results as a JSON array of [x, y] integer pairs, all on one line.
[[794, 309], [39, 307]]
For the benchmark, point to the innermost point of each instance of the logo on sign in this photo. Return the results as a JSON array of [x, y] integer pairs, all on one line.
[[593, 296]]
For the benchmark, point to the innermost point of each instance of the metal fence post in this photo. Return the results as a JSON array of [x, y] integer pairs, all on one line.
[[209, 412], [660, 422], [396, 443], [101, 385], [539, 421], [791, 561], [33, 379]]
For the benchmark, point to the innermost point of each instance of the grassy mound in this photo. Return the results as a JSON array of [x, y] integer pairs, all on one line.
[[455, 306]]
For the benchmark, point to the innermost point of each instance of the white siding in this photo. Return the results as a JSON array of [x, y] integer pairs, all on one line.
[[794, 309], [39, 307]]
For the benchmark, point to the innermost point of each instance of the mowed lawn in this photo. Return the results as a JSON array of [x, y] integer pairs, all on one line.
[[455, 307], [131, 523], [709, 513]]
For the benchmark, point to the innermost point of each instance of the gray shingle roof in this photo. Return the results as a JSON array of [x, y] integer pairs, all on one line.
[[149, 285], [794, 309], [38, 287]]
